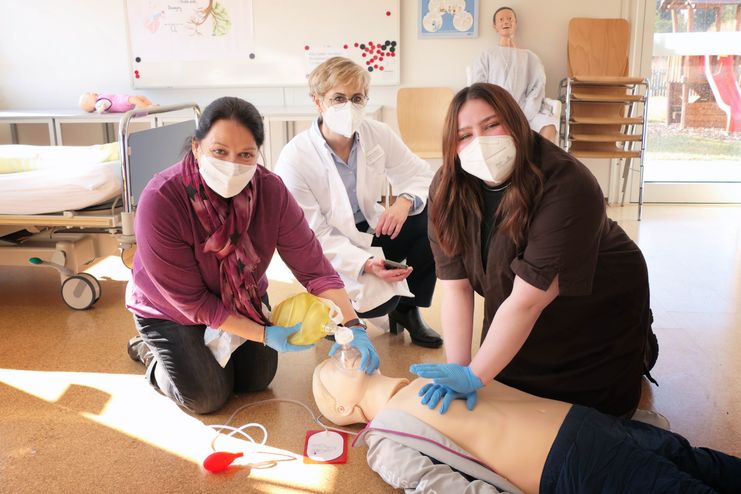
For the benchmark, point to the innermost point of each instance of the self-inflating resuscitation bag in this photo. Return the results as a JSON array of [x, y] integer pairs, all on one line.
[[319, 317]]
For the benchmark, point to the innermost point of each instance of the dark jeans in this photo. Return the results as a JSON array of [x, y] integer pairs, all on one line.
[[185, 370], [594, 452], [413, 245]]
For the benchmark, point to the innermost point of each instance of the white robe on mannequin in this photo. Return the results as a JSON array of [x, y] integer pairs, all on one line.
[[520, 72]]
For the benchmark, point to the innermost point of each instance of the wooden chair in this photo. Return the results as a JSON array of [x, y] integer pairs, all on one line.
[[420, 112], [605, 110]]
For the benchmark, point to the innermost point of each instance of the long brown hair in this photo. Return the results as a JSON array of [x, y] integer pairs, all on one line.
[[458, 195]]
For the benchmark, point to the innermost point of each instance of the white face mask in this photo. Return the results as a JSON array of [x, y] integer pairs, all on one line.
[[343, 119], [490, 158], [224, 177]]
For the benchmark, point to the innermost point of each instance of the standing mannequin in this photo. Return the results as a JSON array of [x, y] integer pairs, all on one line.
[[515, 441], [517, 70]]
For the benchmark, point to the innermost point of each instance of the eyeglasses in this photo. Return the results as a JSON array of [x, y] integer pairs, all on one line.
[[358, 100]]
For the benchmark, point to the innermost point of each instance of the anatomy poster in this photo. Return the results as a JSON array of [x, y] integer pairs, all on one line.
[[189, 30], [448, 18]]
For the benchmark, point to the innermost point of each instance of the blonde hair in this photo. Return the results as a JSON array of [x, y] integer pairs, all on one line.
[[335, 71]]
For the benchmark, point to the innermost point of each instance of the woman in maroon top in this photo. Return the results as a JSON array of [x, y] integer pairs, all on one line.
[[206, 229], [519, 221]]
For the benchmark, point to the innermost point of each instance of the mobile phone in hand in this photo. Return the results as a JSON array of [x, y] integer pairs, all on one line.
[[388, 264]]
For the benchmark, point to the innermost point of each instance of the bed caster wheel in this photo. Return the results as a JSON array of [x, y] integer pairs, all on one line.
[[127, 256], [78, 292], [96, 284]]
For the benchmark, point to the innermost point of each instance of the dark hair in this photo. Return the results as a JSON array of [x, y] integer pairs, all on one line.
[[231, 108], [458, 195], [494, 17]]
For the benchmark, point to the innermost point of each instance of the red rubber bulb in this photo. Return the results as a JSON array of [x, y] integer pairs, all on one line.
[[220, 461]]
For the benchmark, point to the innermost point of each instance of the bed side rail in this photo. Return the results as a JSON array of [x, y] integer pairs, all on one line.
[[127, 216]]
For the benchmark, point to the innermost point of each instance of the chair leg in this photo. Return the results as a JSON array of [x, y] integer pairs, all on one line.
[[627, 162]]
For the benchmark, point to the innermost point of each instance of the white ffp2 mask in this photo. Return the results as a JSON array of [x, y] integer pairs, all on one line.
[[224, 177], [343, 119], [490, 158]]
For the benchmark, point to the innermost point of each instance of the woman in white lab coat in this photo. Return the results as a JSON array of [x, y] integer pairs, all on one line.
[[336, 170]]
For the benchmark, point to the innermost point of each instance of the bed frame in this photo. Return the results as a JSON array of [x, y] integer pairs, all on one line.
[[62, 240]]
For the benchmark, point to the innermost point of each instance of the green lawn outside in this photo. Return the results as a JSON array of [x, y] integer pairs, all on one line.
[[669, 142], [660, 146]]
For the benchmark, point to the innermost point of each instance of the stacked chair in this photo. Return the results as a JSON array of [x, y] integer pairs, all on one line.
[[605, 110]]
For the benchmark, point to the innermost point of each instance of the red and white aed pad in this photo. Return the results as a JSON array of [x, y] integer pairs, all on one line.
[[325, 446]]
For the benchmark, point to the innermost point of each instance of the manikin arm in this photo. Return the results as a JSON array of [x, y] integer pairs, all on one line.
[[535, 88], [457, 320], [511, 326], [406, 468]]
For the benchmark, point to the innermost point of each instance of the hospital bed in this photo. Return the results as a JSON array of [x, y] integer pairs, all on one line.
[[56, 197]]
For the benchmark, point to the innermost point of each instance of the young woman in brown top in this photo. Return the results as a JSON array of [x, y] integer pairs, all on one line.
[[519, 221]]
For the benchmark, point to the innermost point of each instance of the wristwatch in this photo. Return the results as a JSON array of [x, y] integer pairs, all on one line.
[[355, 323]]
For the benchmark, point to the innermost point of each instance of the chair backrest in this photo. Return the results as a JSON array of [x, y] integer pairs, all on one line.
[[420, 112], [598, 47], [153, 150]]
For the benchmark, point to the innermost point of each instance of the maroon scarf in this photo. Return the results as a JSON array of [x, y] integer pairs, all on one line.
[[226, 222]]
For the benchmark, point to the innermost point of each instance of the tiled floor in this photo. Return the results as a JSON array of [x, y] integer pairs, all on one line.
[[76, 415]]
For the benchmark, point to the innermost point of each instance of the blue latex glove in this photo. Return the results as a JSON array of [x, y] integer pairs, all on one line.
[[431, 394], [369, 360], [457, 378], [276, 337]]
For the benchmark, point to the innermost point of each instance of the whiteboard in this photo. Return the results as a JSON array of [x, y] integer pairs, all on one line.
[[232, 43]]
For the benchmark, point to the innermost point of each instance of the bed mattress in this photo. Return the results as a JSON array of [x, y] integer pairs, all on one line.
[[66, 187]]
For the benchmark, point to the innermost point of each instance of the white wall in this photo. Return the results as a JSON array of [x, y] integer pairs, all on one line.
[[64, 48]]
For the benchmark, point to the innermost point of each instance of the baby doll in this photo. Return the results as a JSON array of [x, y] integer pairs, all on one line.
[[112, 103]]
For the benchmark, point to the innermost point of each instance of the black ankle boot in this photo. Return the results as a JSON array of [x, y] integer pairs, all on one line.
[[421, 333]]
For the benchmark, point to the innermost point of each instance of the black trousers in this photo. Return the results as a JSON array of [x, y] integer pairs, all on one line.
[[413, 245], [594, 452], [185, 370]]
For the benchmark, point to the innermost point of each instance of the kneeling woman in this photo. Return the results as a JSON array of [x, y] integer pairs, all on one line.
[[523, 223], [206, 230]]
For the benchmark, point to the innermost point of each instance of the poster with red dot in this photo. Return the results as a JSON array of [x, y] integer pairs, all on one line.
[[379, 56], [377, 51], [274, 43]]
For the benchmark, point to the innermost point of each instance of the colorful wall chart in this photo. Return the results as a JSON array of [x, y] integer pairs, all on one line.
[[233, 43]]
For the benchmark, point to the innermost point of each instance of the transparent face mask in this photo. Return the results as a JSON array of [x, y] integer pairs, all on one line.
[[347, 386]]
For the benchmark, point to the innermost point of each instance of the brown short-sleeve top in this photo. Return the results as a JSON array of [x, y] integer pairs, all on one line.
[[586, 346]]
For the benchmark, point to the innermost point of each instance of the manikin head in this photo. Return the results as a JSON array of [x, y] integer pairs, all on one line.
[[87, 101], [505, 24], [351, 396]]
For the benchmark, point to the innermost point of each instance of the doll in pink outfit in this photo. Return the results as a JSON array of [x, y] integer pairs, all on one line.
[[112, 103]]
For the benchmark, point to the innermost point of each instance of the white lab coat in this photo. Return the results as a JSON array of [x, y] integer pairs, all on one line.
[[308, 170], [520, 72]]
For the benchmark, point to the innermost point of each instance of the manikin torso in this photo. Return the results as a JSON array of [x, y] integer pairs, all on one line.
[[510, 431]]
